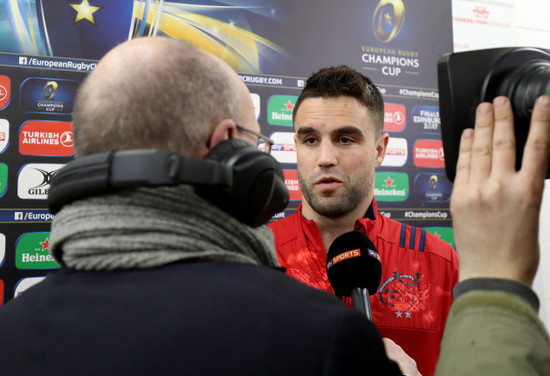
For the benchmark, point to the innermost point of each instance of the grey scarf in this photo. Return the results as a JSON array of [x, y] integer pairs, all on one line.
[[149, 227]]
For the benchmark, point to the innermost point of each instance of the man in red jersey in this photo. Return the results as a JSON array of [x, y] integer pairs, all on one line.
[[338, 122]]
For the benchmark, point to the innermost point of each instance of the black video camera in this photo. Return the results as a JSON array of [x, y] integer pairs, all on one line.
[[468, 78]]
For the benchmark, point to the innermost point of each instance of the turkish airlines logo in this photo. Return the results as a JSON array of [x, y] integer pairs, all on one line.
[[291, 181], [5, 88], [34, 180], [395, 117], [49, 138], [429, 153]]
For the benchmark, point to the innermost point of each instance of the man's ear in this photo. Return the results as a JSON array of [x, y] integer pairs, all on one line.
[[224, 130], [380, 150]]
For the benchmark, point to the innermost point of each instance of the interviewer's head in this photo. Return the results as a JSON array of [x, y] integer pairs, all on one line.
[[161, 93]]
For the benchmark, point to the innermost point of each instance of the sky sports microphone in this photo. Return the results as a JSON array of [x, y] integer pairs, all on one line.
[[354, 269]]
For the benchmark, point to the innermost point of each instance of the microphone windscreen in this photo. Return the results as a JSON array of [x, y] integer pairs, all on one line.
[[352, 261]]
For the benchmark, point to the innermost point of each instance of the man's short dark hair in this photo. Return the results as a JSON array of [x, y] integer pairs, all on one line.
[[344, 81]]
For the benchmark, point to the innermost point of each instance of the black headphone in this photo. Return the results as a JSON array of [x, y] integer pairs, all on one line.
[[235, 176]]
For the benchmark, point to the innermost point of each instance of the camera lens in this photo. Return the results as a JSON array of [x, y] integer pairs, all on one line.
[[524, 84]]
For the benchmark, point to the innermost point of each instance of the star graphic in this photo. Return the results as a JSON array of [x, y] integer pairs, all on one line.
[[399, 314], [85, 11], [389, 181], [45, 244], [387, 18], [289, 106], [408, 314]]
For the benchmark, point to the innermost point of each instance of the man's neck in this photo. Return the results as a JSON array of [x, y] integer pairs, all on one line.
[[332, 227]]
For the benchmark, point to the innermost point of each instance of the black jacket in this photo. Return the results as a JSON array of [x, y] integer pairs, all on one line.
[[196, 318]]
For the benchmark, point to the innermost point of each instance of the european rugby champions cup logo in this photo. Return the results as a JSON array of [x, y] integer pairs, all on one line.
[[388, 19]]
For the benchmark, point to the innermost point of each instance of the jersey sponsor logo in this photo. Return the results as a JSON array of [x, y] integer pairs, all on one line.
[[344, 256], [25, 284], [426, 118], [34, 180], [391, 186], [291, 181], [396, 152], [5, 91], [4, 134], [284, 149], [429, 153], [434, 187], [48, 138], [47, 95], [3, 179], [32, 251], [280, 108], [395, 117], [403, 294]]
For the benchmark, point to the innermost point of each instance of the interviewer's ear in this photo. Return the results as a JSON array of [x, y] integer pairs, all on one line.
[[224, 130]]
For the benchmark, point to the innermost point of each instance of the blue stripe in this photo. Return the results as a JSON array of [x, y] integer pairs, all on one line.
[[422, 241], [403, 232], [413, 237]]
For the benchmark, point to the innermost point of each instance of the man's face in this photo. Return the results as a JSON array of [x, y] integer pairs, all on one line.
[[337, 151]]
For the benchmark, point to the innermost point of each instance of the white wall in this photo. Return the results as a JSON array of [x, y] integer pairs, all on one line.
[[533, 30]]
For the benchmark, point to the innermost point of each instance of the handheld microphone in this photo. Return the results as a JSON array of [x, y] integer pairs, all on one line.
[[354, 269]]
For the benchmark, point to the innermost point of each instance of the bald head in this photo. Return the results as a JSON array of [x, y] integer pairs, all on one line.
[[156, 93]]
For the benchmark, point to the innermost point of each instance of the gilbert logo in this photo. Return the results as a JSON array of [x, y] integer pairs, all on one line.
[[5, 88], [344, 256], [429, 153], [48, 138], [388, 19], [32, 251], [395, 117], [291, 181], [34, 179], [280, 108]]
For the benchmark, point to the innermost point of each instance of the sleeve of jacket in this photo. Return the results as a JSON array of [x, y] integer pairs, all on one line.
[[357, 349], [493, 333]]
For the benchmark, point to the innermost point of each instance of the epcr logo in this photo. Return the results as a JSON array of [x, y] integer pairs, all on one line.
[[388, 19]]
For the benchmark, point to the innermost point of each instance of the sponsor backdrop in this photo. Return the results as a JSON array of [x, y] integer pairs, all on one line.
[[48, 47]]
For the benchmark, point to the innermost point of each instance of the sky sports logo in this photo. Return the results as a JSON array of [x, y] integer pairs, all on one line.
[[33, 180], [280, 108], [4, 134], [32, 251], [396, 152], [46, 138], [344, 256], [284, 148], [391, 186]]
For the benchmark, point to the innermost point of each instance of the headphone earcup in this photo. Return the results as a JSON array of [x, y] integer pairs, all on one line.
[[258, 190]]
